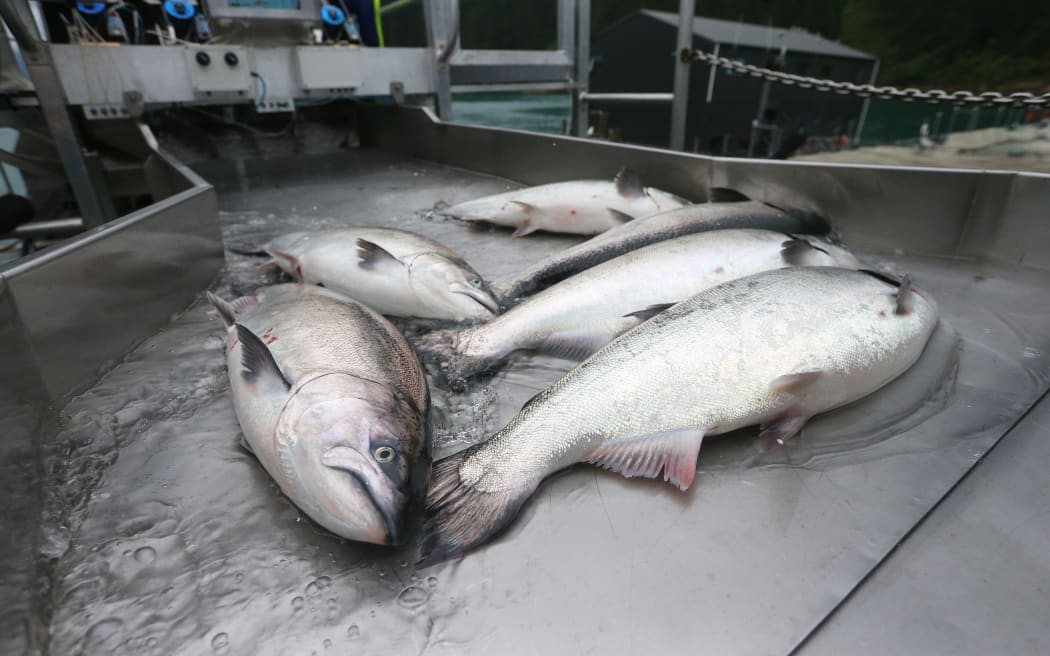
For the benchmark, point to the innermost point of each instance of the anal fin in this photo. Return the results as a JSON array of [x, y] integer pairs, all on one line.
[[670, 454], [573, 346]]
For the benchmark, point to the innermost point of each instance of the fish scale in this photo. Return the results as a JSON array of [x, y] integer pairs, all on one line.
[[774, 348]]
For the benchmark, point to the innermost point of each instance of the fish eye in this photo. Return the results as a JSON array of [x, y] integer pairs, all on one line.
[[383, 453], [475, 281]]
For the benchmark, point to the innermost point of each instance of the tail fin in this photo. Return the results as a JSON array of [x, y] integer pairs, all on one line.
[[458, 517], [446, 348], [508, 291]]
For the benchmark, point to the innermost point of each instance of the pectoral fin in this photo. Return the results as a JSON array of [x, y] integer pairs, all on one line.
[[648, 313], [526, 228], [371, 255], [258, 366], [573, 346], [622, 217], [670, 454]]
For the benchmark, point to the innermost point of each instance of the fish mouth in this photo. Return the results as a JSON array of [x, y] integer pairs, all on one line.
[[393, 532], [478, 296]]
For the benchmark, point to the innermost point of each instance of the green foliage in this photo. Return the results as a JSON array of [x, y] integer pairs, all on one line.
[[966, 43]]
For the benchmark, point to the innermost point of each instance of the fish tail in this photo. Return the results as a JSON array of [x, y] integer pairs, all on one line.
[[459, 517], [448, 349], [509, 291]]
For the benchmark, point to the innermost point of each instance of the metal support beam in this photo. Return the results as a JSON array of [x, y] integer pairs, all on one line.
[[680, 105], [580, 107], [659, 98], [567, 26], [442, 22], [53, 105]]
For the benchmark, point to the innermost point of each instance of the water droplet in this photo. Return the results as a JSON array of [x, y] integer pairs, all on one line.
[[313, 589], [331, 603], [151, 642], [145, 554], [432, 582], [239, 578], [382, 574], [104, 636], [353, 631], [327, 643], [220, 643], [404, 563], [297, 604], [1031, 352], [127, 552], [413, 597], [324, 582]]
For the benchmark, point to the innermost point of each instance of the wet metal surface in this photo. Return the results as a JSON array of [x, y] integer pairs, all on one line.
[[176, 541]]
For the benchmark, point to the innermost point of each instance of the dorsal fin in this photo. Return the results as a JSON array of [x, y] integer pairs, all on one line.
[[801, 252], [905, 297], [628, 184], [371, 255], [258, 365]]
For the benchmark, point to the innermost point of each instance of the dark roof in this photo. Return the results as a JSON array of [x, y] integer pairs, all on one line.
[[749, 35]]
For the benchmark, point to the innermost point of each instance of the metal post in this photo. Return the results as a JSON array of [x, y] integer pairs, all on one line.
[[864, 108], [756, 124], [52, 101], [567, 26], [680, 106], [442, 23], [580, 106]]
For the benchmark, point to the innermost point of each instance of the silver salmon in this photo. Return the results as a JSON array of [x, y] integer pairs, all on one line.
[[579, 207], [772, 349], [633, 234], [578, 316], [333, 403], [394, 272]]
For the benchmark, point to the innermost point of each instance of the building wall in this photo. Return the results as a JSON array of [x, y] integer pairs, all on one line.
[[636, 54]]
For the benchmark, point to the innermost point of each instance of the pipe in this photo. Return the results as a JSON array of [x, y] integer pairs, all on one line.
[[628, 97], [24, 35]]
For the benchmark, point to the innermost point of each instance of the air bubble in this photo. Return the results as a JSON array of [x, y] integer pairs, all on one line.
[[145, 554], [297, 604], [412, 597], [327, 643], [432, 582], [353, 631], [220, 643]]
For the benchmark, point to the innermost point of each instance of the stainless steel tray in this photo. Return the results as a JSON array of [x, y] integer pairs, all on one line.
[[165, 537]]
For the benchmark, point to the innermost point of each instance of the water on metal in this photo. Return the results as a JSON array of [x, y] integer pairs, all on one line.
[[168, 538]]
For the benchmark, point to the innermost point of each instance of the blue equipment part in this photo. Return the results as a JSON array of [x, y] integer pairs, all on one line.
[[332, 15], [91, 8], [179, 9]]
